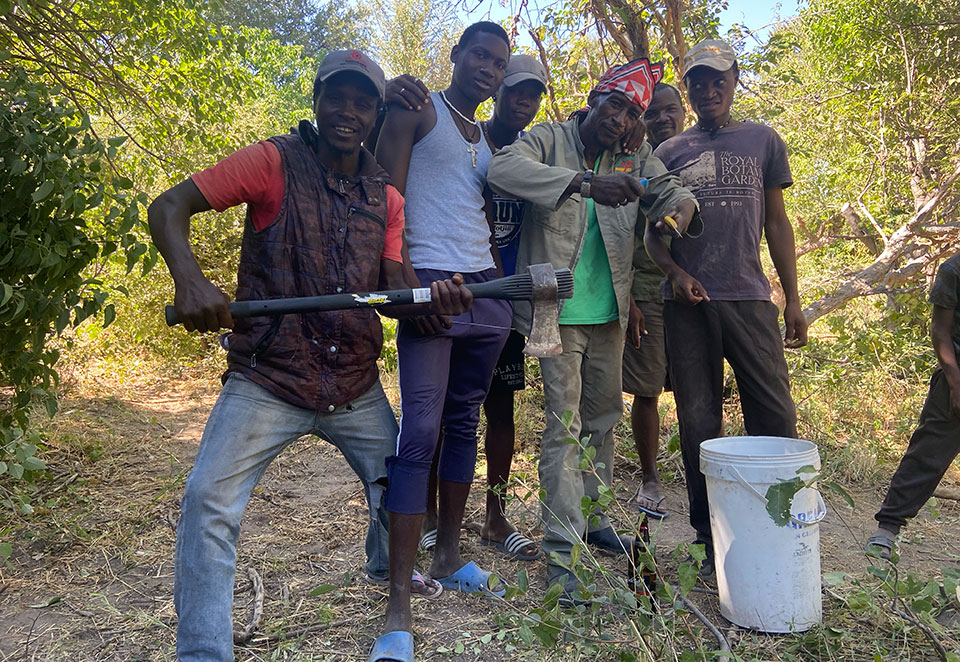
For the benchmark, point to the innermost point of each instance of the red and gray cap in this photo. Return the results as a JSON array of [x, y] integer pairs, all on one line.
[[523, 67], [339, 61], [711, 53]]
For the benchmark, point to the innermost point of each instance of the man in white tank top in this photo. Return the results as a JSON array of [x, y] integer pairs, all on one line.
[[438, 159]]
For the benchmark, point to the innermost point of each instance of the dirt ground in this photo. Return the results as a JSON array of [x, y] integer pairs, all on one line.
[[94, 579]]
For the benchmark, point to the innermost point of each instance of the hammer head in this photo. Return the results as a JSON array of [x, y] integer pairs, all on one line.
[[544, 338]]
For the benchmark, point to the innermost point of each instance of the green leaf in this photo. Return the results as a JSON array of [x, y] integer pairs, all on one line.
[[566, 419], [605, 496], [780, 499], [109, 314], [16, 470], [43, 192], [552, 595], [63, 319], [322, 589], [51, 404], [523, 580], [6, 549], [687, 573], [698, 552], [836, 487], [834, 578], [116, 141], [526, 633]]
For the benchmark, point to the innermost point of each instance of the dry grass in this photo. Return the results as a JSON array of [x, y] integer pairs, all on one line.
[[91, 577]]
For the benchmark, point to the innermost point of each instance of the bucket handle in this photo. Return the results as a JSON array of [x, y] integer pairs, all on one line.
[[821, 504]]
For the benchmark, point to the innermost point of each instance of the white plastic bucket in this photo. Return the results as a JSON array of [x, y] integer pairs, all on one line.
[[768, 576]]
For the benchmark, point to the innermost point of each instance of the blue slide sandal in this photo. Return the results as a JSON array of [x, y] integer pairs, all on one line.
[[470, 579], [394, 646]]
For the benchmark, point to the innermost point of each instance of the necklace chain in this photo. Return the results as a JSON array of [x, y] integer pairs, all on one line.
[[471, 148], [454, 109], [716, 128]]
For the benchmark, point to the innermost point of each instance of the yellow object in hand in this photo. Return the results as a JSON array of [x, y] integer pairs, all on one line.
[[672, 223]]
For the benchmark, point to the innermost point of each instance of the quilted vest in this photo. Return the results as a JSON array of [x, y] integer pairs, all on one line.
[[327, 238]]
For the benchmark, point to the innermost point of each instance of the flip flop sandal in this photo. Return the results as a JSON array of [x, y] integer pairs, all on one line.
[[512, 545], [394, 646], [434, 587], [654, 513], [428, 541], [879, 545], [470, 579]]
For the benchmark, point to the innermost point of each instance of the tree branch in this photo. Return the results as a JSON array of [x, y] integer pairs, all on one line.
[[545, 61], [884, 270]]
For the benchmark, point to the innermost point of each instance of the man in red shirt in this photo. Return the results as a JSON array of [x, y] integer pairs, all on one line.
[[321, 218]]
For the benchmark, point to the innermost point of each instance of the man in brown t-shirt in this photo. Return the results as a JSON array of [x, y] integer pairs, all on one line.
[[717, 298]]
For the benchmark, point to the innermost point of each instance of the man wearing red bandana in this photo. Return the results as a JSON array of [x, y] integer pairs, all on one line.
[[588, 203]]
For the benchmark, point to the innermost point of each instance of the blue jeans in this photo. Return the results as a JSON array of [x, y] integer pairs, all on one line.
[[247, 428]]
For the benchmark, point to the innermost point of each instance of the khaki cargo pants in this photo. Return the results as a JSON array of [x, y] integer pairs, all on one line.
[[585, 379]]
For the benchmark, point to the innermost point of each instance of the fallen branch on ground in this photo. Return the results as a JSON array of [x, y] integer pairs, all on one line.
[[724, 646], [256, 612]]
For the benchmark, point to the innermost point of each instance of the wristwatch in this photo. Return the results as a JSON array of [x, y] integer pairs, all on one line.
[[585, 184]]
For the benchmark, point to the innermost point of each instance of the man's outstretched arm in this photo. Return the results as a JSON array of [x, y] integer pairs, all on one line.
[[198, 302]]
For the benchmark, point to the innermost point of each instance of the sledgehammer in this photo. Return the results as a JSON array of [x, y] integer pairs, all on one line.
[[541, 285]]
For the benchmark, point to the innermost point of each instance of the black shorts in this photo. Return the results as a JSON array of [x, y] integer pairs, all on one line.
[[508, 375]]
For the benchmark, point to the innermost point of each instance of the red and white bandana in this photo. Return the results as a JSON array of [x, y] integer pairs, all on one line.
[[634, 79]]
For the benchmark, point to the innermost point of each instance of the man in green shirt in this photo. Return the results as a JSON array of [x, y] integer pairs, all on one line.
[[587, 211]]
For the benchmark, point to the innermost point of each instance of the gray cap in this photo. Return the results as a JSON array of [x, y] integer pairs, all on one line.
[[339, 61], [711, 53], [523, 67]]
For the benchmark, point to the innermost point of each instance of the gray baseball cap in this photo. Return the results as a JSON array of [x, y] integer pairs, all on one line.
[[711, 53], [339, 61], [523, 67]]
